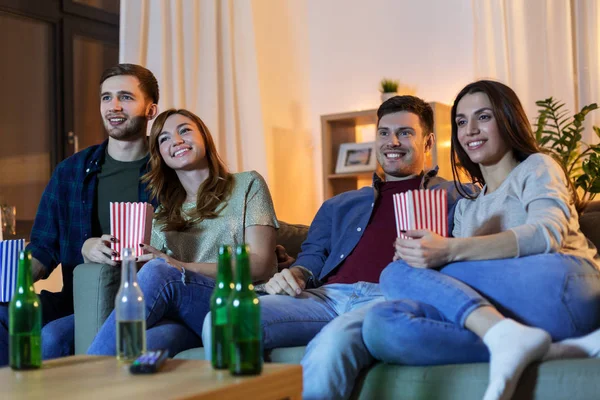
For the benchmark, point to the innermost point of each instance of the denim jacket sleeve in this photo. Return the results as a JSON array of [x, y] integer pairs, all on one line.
[[317, 246]]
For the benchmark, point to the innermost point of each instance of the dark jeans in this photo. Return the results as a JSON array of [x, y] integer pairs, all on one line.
[[58, 338], [174, 311], [422, 323]]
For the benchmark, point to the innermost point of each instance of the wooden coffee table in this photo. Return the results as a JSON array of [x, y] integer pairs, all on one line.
[[90, 377]]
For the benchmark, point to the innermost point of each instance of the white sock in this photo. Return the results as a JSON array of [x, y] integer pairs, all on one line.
[[582, 347], [512, 348]]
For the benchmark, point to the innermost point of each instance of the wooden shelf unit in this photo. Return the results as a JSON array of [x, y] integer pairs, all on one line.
[[342, 128]]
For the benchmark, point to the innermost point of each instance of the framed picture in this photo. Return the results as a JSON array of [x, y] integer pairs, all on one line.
[[356, 157]]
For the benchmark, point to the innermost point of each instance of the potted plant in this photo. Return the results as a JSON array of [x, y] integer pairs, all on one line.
[[560, 134], [388, 89]]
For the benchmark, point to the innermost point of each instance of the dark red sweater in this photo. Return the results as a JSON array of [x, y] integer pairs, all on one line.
[[375, 249]]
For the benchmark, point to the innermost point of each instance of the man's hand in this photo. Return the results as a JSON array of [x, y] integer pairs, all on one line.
[[38, 270], [97, 250], [425, 249], [284, 260], [290, 281]]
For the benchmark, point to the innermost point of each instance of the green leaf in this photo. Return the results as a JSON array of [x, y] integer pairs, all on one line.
[[586, 168], [595, 187], [551, 133], [561, 134]]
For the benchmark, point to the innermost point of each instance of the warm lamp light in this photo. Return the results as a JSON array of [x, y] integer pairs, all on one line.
[[446, 144], [365, 133]]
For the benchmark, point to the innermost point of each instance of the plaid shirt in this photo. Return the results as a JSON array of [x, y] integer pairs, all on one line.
[[64, 217]]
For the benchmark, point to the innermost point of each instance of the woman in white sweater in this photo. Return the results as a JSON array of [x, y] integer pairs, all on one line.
[[518, 273]]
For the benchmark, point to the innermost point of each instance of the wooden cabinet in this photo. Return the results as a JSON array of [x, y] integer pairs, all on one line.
[[350, 127]]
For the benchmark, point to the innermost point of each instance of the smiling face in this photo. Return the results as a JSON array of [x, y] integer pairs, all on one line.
[[477, 130], [401, 145], [124, 108], [181, 144]]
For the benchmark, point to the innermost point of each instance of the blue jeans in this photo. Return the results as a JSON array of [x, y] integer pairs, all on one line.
[[175, 310], [58, 332], [329, 319], [423, 323]]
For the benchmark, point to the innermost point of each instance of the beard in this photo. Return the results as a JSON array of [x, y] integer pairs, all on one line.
[[409, 165], [133, 129]]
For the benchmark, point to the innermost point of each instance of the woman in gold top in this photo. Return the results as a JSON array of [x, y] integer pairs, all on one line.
[[202, 207]]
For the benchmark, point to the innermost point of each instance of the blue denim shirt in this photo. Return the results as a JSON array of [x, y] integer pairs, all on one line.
[[341, 222], [64, 217]]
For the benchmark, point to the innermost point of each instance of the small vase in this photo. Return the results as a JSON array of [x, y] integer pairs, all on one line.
[[388, 95]]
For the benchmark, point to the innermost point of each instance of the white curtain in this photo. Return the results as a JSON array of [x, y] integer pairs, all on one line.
[[203, 55], [541, 48]]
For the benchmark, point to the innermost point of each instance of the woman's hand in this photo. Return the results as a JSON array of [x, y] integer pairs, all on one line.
[[154, 253], [425, 249]]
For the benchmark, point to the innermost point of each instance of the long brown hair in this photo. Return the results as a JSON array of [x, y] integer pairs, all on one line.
[[164, 185], [513, 126]]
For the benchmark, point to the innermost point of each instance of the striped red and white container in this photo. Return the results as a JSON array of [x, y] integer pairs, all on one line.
[[421, 209], [9, 264], [130, 224]]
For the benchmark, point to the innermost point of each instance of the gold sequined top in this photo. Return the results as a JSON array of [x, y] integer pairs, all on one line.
[[250, 204]]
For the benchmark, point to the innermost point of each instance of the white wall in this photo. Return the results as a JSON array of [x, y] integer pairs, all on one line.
[[319, 57], [426, 44], [282, 47]]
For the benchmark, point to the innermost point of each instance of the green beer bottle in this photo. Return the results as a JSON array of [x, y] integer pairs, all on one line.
[[25, 320], [245, 330], [218, 309]]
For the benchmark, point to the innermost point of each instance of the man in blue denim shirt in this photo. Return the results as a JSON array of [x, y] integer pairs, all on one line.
[[72, 224], [323, 298]]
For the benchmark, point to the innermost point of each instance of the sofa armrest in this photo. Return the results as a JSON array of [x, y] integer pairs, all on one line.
[[94, 289]]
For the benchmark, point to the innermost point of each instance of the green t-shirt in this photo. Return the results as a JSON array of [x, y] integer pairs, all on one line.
[[118, 181]]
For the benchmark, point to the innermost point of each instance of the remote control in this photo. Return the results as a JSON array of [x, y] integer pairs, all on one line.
[[149, 363]]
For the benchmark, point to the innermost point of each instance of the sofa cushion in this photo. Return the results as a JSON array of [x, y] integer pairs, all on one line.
[[552, 380], [192, 354], [291, 237], [94, 289], [288, 355], [589, 222]]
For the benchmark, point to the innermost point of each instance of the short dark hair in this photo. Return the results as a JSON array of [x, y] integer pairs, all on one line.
[[148, 82], [411, 104], [513, 126]]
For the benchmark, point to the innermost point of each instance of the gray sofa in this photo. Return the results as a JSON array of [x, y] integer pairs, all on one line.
[[96, 285]]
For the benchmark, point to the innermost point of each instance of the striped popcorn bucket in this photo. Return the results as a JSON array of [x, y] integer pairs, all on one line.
[[9, 256], [421, 209], [130, 224]]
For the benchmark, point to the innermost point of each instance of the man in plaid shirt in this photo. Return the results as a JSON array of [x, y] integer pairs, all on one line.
[[72, 222]]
